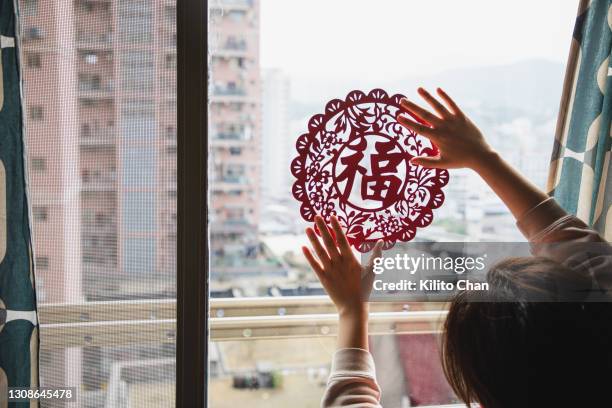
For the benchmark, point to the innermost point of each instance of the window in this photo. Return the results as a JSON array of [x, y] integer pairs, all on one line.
[[33, 33], [38, 164], [170, 132], [40, 213], [29, 8], [135, 21], [267, 81], [139, 166], [124, 275], [170, 61], [137, 70], [138, 120], [89, 58], [34, 60], [138, 211], [42, 262], [36, 113], [139, 256]]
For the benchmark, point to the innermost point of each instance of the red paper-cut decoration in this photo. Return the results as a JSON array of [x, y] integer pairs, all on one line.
[[354, 163]]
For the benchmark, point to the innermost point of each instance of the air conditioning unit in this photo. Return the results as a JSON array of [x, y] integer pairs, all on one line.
[[34, 33]]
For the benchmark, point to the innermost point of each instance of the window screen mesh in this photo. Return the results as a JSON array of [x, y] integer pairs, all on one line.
[[100, 103]]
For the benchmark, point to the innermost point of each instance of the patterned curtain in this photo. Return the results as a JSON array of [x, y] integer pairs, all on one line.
[[581, 175], [18, 320]]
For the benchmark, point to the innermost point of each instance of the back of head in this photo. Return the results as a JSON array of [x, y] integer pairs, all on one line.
[[503, 349]]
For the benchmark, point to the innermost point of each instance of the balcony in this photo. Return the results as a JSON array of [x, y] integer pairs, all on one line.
[[228, 182], [135, 321], [94, 41], [231, 48], [98, 138], [229, 90], [228, 94], [227, 5], [103, 183], [230, 139], [99, 228], [236, 324], [95, 90], [226, 226]]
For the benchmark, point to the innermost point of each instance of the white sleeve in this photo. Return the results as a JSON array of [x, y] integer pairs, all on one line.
[[352, 381]]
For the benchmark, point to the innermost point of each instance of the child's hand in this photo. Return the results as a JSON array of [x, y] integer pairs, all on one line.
[[459, 141], [345, 280]]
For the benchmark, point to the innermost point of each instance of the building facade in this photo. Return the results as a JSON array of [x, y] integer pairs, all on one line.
[[100, 117], [234, 133]]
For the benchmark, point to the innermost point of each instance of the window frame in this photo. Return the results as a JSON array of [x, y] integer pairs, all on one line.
[[192, 206]]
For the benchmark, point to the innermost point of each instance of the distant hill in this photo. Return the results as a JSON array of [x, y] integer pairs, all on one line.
[[526, 86]]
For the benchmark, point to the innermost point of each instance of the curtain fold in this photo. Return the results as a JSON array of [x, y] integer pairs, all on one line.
[[18, 319], [580, 175]]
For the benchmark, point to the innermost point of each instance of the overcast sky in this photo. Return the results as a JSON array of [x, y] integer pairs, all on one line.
[[400, 38]]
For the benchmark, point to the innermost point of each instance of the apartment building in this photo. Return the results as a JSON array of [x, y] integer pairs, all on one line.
[[234, 132], [100, 92], [100, 117]]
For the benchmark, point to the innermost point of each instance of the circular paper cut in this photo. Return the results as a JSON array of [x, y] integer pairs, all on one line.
[[354, 163]]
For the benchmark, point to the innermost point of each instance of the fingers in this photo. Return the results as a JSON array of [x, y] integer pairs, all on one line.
[[328, 240], [316, 266], [433, 162], [420, 112], [417, 127], [376, 252], [434, 103], [449, 101], [318, 248], [343, 244]]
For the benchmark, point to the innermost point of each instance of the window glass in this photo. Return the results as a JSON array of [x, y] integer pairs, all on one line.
[[139, 211], [139, 166], [139, 255], [137, 70], [135, 21], [138, 120], [273, 64]]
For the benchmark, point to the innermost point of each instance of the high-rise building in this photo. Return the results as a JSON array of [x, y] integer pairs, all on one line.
[[234, 131], [100, 116], [277, 140], [101, 134]]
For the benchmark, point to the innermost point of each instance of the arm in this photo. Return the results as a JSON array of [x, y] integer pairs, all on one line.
[[348, 283], [554, 233], [462, 145]]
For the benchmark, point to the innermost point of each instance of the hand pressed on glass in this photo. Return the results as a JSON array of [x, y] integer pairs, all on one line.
[[460, 143], [345, 280]]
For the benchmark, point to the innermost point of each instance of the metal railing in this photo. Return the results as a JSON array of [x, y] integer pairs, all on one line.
[[143, 321]]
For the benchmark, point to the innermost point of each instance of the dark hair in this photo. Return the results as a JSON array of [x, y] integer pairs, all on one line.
[[504, 350]]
